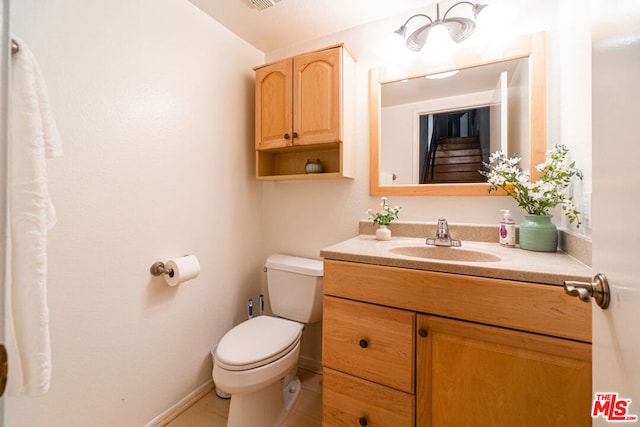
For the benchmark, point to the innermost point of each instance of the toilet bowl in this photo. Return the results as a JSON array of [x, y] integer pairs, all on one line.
[[256, 361]]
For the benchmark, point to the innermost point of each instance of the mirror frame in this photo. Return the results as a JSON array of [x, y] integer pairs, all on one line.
[[531, 46]]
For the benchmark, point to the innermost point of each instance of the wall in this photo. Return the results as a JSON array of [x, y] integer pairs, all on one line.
[[154, 101], [304, 217]]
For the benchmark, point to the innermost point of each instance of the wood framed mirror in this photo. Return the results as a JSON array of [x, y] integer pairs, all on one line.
[[524, 135]]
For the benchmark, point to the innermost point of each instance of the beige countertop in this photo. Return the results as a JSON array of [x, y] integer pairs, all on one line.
[[513, 263]]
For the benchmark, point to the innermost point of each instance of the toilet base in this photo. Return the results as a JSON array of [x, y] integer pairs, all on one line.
[[290, 394], [267, 408]]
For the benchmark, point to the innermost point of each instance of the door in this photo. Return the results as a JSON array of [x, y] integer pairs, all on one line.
[[317, 100], [470, 374], [615, 203], [274, 105], [499, 116], [5, 53]]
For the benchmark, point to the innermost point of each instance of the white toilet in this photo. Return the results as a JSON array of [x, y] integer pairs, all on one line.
[[256, 361]]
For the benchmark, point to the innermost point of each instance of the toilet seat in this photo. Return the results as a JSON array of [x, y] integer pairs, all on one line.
[[257, 342]]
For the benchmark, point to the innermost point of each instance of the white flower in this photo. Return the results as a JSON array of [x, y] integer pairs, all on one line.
[[387, 214], [540, 196]]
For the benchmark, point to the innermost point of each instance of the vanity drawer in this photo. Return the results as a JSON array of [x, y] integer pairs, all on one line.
[[532, 307], [370, 341], [350, 401]]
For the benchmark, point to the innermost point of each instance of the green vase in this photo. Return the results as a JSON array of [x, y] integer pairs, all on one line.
[[538, 233]]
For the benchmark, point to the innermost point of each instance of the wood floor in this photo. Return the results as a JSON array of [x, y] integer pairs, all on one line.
[[211, 411]]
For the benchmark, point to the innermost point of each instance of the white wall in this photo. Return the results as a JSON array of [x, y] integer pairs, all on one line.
[[154, 101], [568, 119], [304, 217]]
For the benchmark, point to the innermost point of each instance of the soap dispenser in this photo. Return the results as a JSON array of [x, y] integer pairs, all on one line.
[[507, 230]]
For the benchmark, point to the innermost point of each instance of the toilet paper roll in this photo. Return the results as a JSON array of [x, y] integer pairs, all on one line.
[[185, 268]]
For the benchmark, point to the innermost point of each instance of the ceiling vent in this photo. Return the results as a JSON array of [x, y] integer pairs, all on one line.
[[263, 4]]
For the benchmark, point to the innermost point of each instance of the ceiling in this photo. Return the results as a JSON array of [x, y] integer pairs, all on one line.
[[290, 22], [471, 80]]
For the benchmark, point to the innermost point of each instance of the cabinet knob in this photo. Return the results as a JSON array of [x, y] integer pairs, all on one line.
[[295, 135], [423, 332], [363, 421], [287, 136], [364, 344]]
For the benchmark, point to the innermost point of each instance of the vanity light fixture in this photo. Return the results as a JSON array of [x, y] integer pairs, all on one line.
[[446, 29]]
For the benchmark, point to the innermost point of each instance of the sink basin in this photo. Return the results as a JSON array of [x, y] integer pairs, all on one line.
[[445, 253]]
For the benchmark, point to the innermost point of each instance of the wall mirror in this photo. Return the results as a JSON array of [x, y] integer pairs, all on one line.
[[429, 136]]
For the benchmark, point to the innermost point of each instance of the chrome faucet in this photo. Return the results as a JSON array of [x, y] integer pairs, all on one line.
[[443, 238]]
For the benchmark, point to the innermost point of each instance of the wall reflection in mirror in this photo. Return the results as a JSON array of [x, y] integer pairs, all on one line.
[[437, 131]]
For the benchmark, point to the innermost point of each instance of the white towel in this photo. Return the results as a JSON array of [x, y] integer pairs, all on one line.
[[33, 138]]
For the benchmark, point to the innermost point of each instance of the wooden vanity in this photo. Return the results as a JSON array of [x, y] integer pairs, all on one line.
[[410, 347]]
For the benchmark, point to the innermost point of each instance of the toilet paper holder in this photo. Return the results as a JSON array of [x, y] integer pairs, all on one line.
[[158, 269], [178, 270]]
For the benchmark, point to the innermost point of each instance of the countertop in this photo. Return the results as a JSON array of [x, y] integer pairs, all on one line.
[[514, 263]]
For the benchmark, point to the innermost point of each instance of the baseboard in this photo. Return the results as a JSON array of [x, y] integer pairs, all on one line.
[[185, 403], [310, 364], [189, 400]]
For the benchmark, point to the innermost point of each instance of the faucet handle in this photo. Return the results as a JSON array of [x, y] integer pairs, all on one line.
[[443, 238], [443, 228]]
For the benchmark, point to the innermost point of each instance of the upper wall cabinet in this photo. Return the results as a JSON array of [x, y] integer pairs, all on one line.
[[304, 111]]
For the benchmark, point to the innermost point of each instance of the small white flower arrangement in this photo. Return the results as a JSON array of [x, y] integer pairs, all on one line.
[[536, 198], [386, 215]]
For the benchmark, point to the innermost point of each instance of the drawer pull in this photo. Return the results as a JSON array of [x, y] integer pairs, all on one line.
[[423, 332], [364, 344], [363, 421]]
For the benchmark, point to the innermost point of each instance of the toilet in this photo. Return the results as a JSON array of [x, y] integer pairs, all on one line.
[[256, 361]]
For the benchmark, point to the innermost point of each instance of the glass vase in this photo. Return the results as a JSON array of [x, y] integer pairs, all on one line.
[[538, 233]]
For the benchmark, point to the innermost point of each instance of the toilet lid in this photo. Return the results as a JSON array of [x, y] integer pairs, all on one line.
[[256, 342]]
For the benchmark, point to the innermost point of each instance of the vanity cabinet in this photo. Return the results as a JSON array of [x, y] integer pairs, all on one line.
[[413, 347], [304, 110]]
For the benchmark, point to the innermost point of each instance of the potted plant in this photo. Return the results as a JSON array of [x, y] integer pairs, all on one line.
[[384, 218], [537, 232]]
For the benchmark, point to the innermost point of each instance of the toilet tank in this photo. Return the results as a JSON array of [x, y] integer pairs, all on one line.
[[295, 287]]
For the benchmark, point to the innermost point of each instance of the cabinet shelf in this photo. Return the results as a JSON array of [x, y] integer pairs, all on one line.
[[289, 163]]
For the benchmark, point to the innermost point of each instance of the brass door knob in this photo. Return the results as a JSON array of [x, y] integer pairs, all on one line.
[[598, 289]]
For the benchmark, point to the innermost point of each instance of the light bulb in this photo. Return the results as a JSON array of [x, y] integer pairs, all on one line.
[[392, 48], [439, 44]]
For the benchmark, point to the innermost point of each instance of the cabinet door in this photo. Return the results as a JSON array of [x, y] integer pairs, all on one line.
[[274, 105], [476, 375], [317, 102]]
